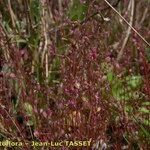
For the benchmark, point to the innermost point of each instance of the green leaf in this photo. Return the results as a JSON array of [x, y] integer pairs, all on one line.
[[35, 10], [144, 110], [146, 122], [110, 76], [21, 41], [129, 109], [28, 108], [117, 90], [147, 50], [33, 40], [77, 10], [122, 93], [146, 103], [134, 81]]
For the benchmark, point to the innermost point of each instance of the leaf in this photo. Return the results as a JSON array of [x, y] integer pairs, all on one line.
[[77, 11], [147, 50], [146, 122], [21, 41], [28, 108], [117, 90], [129, 109], [122, 93], [144, 110], [146, 103], [110, 76], [35, 10], [134, 81], [33, 40]]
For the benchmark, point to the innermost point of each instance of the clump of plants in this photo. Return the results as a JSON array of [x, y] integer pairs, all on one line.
[[75, 70]]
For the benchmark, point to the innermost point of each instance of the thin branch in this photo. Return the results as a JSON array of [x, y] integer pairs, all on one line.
[[99, 11], [45, 52], [12, 15], [144, 16], [132, 2], [128, 24]]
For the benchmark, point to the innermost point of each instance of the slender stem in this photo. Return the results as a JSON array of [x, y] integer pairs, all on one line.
[[128, 24], [132, 2]]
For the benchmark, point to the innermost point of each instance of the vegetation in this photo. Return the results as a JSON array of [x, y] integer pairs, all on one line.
[[75, 70]]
